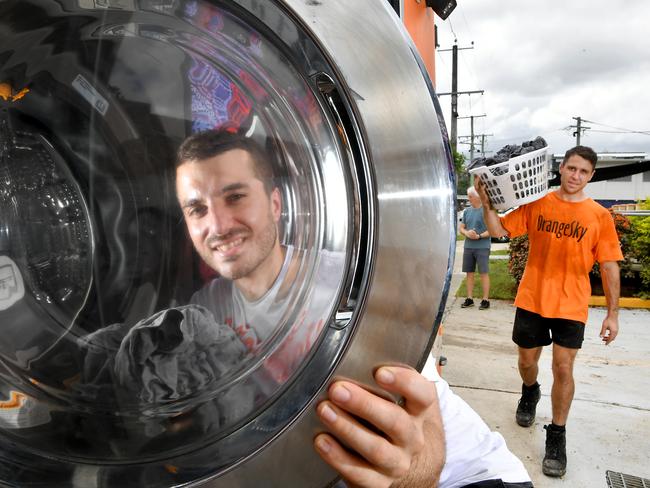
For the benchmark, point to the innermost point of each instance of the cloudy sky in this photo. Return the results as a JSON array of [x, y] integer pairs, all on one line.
[[543, 62]]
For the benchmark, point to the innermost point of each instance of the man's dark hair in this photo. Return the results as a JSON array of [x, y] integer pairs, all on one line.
[[584, 152], [211, 143]]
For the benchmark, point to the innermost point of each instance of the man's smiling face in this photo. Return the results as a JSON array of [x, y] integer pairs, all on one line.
[[231, 218]]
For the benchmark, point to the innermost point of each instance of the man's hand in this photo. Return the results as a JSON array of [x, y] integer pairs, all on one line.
[[473, 235], [492, 220], [375, 443], [609, 330], [480, 188]]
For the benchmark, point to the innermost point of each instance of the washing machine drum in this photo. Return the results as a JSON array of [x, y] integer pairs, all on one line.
[[207, 210]]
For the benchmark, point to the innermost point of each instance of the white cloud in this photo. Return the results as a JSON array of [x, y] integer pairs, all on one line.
[[543, 62]]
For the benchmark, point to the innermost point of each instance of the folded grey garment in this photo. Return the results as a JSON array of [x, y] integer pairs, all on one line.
[[97, 373], [176, 353]]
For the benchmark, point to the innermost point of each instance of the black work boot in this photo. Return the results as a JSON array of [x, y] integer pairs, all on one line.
[[554, 463], [527, 404]]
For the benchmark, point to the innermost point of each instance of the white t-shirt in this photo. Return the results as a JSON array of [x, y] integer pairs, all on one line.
[[256, 321], [474, 452], [253, 321]]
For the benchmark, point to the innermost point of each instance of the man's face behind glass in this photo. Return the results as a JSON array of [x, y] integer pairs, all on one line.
[[231, 219]]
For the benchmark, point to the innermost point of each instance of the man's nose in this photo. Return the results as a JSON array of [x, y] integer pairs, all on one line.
[[220, 220]]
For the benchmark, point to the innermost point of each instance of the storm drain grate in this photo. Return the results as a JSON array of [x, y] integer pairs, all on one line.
[[620, 480]]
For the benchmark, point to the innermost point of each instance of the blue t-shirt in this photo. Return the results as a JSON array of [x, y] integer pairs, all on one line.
[[473, 219]]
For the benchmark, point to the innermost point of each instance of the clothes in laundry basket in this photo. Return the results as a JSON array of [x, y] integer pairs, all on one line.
[[507, 152]]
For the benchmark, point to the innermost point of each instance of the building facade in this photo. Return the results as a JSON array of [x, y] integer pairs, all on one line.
[[628, 188]]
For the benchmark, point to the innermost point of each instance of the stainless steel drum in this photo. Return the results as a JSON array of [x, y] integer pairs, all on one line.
[[113, 373]]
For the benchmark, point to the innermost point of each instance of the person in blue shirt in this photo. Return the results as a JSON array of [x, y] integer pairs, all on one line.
[[476, 250]]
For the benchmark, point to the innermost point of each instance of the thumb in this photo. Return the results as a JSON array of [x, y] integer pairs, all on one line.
[[603, 329]]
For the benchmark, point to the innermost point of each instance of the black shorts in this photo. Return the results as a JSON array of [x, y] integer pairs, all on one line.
[[499, 484], [472, 257], [532, 330]]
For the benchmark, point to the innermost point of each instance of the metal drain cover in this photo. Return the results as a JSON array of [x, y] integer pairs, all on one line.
[[620, 480]]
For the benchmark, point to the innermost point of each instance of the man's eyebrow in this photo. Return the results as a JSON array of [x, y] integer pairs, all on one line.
[[191, 202], [233, 187]]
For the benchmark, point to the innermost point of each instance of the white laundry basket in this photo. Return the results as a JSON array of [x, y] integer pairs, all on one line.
[[522, 179]]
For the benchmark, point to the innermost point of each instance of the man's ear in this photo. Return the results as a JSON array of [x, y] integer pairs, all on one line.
[[593, 172], [276, 204]]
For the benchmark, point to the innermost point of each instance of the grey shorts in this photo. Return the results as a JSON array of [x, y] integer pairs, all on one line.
[[472, 257]]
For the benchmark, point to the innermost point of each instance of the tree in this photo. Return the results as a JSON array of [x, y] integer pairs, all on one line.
[[462, 179]]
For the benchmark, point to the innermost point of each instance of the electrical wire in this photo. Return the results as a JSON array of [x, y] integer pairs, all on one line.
[[470, 71], [462, 11], [619, 132], [622, 130], [452, 31]]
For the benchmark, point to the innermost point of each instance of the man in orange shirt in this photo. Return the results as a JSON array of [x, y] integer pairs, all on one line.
[[567, 233]]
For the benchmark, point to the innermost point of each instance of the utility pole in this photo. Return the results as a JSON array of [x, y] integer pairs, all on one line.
[[454, 95], [471, 147], [465, 176], [454, 92], [483, 136], [579, 128], [468, 140]]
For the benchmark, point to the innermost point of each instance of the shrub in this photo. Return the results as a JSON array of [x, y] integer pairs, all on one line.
[[640, 247], [625, 232], [518, 257]]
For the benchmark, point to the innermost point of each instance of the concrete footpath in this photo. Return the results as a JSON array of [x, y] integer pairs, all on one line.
[[609, 423]]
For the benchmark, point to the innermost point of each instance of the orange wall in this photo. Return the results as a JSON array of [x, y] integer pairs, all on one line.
[[419, 21]]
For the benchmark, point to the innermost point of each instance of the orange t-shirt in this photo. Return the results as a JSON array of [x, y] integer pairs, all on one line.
[[565, 239]]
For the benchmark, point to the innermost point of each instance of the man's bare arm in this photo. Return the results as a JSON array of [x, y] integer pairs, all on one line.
[[611, 277]]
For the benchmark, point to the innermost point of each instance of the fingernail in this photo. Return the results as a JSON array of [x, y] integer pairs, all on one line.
[[340, 393], [323, 445], [385, 375], [328, 414]]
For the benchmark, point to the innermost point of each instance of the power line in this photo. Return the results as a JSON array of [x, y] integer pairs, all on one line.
[[469, 67], [454, 92], [452, 31], [441, 59], [471, 147], [620, 132], [626, 131], [462, 11], [524, 137]]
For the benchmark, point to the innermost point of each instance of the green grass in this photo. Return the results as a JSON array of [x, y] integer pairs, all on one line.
[[500, 252], [502, 285]]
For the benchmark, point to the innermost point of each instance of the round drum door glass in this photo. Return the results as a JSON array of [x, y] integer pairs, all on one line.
[[165, 265], [46, 239]]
